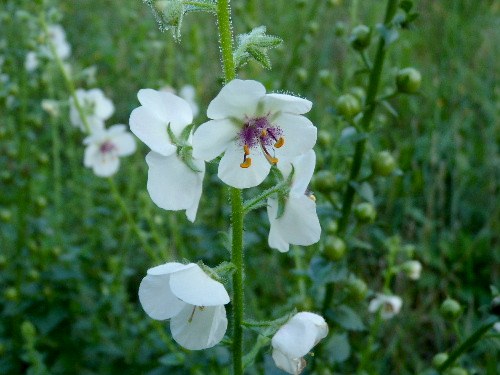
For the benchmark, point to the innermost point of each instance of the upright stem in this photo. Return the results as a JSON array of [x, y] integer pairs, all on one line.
[[226, 45], [371, 96]]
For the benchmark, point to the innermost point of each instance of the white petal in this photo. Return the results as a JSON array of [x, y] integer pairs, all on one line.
[[233, 175], [299, 133], [125, 144], [197, 328], [157, 299], [168, 268], [90, 155], [237, 99], [106, 166], [286, 103], [303, 167], [172, 185], [104, 107], [212, 138], [168, 108], [195, 287], [291, 365], [151, 130], [299, 224]]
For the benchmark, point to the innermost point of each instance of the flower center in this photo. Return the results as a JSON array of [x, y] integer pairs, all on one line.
[[106, 147], [258, 132]]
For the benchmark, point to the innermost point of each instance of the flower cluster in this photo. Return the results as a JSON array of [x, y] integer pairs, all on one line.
[[56, 37]]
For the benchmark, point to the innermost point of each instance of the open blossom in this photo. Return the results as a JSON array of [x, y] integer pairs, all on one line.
[[173, 183], [104, 148], [299, 223], [96, 108], [253, 130], [57, 37], [295, 339], [387, 304], [192, 301]]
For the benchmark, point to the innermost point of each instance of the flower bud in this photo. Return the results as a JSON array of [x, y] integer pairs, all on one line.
[[357, 288], [348, 106], [5, 215], [450, 309], [412, 269], [28, 330], [408, 80], [325, 77], [339, 29], [359, 93], [457, 371], [384, 163], [334, 248], [365, 212], [302, 74], [332, 227], [360, 37], [324, 138], [11, 294], [324, 181], [439, 359]]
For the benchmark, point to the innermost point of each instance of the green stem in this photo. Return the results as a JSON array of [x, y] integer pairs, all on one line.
[[226, 45], [467, 344], [371, 101]]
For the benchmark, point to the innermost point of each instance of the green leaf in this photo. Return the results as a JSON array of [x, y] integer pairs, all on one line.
[[406, 5], [249, 358], [322, 271], [365, 191], [339, 348], [347, 318]]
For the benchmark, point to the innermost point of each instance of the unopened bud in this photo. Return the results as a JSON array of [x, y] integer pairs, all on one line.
[[450, 309], [348, 106], [357, 288], [335, 248], [412, 269], [439, 359], [360, 37], [28, 330], [384, 163], [457, 371], [324, 181], [324, 138], [408, 80], [332, 227], [365, 212]]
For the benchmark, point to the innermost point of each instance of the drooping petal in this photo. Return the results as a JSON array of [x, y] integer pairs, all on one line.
[[151, 130], [291, 365], [299, 224], [197, 327], [303, 167], [212, 138], [157, 299], [299, 133], [233, 175], [286, 103], [168, 108], [172, 185], [195, 287], [236, 99]]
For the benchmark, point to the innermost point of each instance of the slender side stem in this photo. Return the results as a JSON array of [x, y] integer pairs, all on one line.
[[371, 101], [226, 45]]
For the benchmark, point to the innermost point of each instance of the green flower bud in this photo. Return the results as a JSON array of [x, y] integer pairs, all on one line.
[[11, 294], [324, 181], [324, 138], [43, 158], [302, 74], [5, 215], [28, 330], [365, 212], [313, 27], [33, 275], [325, 77], [360, 37], [332, 227], [408, 80], [348, 106], [384, 163], [359, 93], [41, 202], [439, 359], [450, 309], [339, 29], [457, 371], [357, 288], [334, 248]]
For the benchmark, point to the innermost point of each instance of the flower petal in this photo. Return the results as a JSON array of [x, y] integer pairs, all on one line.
[[195, 287], [299, 133], [291, 365], [299, 224], [233, 175], [151, 130], [212, 138], [237, 99], [303, 167], [105, 165], [286, 103], [157, 299], [167, 268], [197, 328], [172, 185], [125, 144]]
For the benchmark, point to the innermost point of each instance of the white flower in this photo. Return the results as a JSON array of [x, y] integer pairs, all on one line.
[[172, 183], [192, 301], [254, 130], [412, 269], [31, 62], [188, 93], [299, 224], [96, 108], [105, 146], [295, 339], [387, 304], [57, 37]]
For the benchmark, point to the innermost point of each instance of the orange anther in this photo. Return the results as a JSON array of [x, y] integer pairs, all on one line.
[[246, 163], [280, 142], [271, 159]]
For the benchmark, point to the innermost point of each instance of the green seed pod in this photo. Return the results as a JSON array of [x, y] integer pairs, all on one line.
[[348, 106], [357, 288], [383, 163], [450, 309], [334, 248], [408, 80], [360, 37], [324, 181], [365, 212], [439, 359]]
